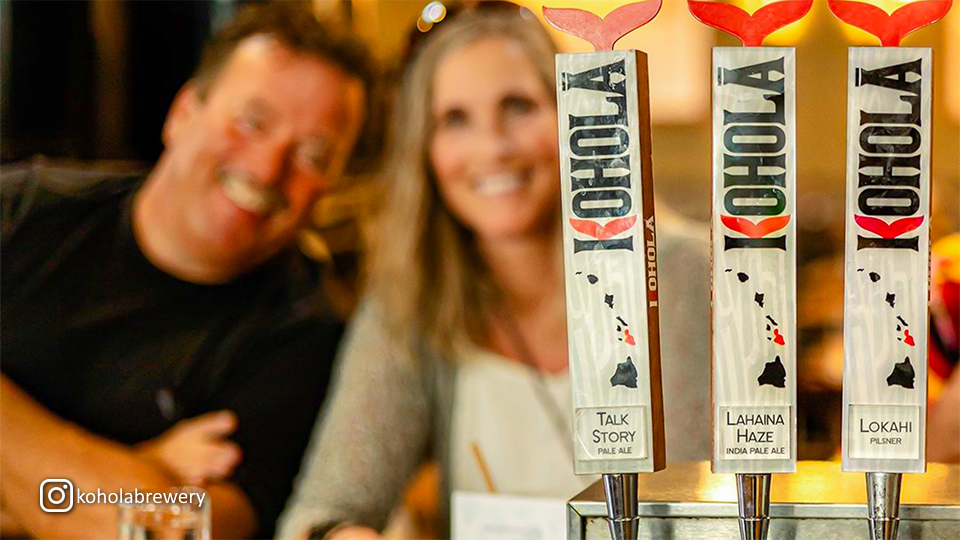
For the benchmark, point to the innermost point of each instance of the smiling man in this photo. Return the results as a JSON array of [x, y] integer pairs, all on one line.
[[164, 330], [247, 155]]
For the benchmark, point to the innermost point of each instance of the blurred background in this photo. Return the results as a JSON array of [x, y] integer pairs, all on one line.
[[92, 80]]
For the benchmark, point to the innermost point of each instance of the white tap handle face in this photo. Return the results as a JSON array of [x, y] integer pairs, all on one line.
[[754, 260], [610, 262], [887, 259]]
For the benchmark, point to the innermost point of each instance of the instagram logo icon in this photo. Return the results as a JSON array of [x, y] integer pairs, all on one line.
[[56, 495]]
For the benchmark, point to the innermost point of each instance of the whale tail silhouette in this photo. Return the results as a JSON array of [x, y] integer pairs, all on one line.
[[890, 29], [751, 29], [602, 33]]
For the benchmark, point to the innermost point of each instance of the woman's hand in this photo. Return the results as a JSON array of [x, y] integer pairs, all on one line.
[[196, 450]]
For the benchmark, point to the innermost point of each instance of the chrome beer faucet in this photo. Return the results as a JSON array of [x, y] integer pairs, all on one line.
[[621, 494], [753, 505], [883, 505]]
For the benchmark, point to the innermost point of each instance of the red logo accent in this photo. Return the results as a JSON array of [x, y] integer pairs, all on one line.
[[603, 232], [629, 338], [777, 338], [755, 230], [893, 230], [751, 29], [602, 33], [890, 29], [908, 339]]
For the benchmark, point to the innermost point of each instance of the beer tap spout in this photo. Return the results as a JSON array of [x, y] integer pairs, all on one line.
[[621, 494], [753, 501], [883, 505]]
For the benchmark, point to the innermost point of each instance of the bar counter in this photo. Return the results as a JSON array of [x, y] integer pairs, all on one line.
[[687, 501]]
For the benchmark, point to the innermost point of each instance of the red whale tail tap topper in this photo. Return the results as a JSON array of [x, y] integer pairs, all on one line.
[[892, 28], [751, 29], [602, 33]]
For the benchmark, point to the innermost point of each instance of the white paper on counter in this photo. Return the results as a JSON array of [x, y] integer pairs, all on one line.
[[484, 516]]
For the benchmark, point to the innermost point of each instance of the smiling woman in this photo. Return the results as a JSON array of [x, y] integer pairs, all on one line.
[[493, 149], [477, 102]]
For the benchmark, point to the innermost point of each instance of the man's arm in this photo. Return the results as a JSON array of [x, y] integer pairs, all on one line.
[[10, 527], [232, 514], [35, 445]]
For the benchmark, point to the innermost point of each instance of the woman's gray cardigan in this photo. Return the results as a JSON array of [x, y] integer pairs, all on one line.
[[388, 412]]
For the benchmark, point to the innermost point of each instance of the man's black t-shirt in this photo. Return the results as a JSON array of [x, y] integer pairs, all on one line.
[[104, 339]]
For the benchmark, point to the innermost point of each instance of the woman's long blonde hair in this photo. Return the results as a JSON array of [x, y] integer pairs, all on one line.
[[425, 271]]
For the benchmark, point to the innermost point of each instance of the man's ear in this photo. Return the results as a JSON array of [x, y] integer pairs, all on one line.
[[184, 106]]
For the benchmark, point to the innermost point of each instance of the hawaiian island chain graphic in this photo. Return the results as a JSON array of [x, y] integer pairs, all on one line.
[[626, 371]]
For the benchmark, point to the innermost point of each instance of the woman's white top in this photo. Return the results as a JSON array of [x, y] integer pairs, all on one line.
[[516, 428]]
